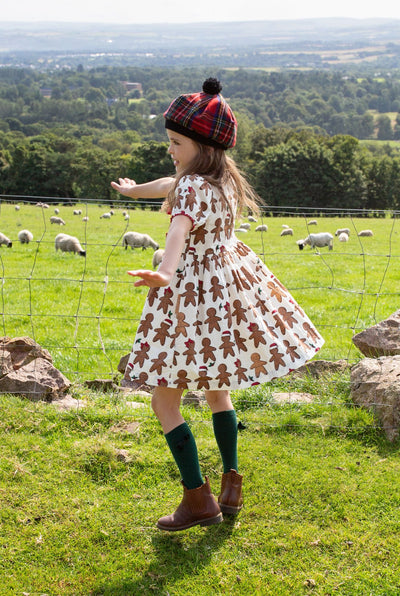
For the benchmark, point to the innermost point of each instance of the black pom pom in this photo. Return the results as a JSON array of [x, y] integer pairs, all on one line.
[[212, 86]]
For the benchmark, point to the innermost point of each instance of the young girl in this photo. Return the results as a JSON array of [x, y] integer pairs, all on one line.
[[215, 318]]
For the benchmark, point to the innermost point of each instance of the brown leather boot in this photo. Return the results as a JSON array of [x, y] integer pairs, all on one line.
[[230, 500], [198, 507]]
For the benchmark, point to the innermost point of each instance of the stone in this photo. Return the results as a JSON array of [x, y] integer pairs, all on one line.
[[382, 339], [194, 398], [136, 386], [37, 380], [102, 385], [67, 403], [375, 384], [320, 368], [293, 397], [19, 351], [122, 363]]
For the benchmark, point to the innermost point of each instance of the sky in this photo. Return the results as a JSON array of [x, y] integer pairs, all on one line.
[[185, 11]]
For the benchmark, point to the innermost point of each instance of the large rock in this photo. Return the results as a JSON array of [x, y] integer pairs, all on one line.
[[320, 368], [26, 369], [375, 384], [382, 339]]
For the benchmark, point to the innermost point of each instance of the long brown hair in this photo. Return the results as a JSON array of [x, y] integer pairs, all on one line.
[[219, 170]]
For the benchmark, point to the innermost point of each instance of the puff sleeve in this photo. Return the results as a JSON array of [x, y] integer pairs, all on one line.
[[193, 199]]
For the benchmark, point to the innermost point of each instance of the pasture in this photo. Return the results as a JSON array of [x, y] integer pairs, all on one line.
[[85, 310]]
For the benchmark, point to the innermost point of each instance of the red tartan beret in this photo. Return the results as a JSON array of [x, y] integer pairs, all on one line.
[[204, 117]]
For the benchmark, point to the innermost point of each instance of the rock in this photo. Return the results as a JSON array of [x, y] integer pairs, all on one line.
[[16, 353], [320, 368], [37, 380], [375, 384], [293, 397], [67, 403], [122, 363], [102, 385], [382, 339], [194, 398], [130, 428], [136, 387]]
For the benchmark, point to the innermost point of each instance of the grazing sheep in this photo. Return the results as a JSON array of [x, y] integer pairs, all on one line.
[[25, 236], [57, 220], [17, 207], [245, 226], [137, 240], [252, 219], [366, 233], [343, 237], [105, 215], [124, 213], [157, 257], [86, 218], [77, 211], [317, 240], [56, 211], [67, 243], [111, 212], [5, 240], [312, 222], [241, 230], [263, 228], [342, 231], [126, 217], [287, 232], [285, 226]]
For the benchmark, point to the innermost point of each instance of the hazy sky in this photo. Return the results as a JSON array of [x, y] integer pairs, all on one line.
[[181, 11]]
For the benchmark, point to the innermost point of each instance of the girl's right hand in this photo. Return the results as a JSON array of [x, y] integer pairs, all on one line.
[[152, 279], [124, 186]]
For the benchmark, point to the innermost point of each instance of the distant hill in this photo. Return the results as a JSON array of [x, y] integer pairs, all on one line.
[[307, 43]]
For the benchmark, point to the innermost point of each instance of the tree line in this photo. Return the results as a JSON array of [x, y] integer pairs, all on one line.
[[304, 138]]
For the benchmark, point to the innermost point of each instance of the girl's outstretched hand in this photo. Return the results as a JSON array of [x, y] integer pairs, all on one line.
[[124, 186], [152, 279]]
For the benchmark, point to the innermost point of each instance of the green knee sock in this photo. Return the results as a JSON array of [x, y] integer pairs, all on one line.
[[226, 431], [183, 447]]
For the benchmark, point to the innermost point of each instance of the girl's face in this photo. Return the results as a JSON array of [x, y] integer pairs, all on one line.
[[182, 150]]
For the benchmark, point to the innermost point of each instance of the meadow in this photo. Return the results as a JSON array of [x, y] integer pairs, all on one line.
[[85, 310], [80, 491]]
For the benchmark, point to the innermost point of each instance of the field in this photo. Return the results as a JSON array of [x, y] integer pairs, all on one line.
[[85, 310], [80, 491]]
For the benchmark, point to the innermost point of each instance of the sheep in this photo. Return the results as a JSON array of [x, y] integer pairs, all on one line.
[[287, 232], [157, 257], [77, 211], [57, 220], [137, 240], [245, 226], [105, 215], [86, 218], [285, 226], [25, 236], [342, 231], [312, 222], [17, 207], [126, 217], [241, 230], [56, 211], [5, 240], [317, 240], [343, 237], [252, 219], [263, 228], [366, 233], [67, 243]]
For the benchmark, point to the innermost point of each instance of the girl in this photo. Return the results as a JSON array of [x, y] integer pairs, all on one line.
[[215, 317]]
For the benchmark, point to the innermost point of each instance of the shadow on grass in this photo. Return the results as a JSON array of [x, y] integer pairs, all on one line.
[[176, 555]]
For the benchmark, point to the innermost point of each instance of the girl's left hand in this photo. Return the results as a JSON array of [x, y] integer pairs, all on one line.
[[152, 279]]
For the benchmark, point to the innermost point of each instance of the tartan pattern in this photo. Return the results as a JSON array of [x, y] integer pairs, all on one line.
[[206, 115]]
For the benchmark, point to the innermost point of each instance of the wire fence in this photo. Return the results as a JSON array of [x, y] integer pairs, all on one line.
[[83, 311]]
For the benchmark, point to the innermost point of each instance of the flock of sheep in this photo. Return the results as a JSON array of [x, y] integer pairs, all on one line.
[[317, 240]]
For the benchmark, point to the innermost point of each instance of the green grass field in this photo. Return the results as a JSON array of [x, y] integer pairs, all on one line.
[[85, 310]]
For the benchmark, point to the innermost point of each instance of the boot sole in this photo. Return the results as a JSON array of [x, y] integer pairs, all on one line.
[[228, 510], [202, 522]]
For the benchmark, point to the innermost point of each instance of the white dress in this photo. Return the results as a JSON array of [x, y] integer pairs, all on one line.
[[225, 321]]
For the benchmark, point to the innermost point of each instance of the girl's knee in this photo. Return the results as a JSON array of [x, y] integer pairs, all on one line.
[[219, 400]]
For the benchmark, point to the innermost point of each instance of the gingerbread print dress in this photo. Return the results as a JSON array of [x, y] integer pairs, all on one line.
[[225, 321]]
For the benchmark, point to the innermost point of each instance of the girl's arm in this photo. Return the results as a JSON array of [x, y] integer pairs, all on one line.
[[156, 189], [175, 242]]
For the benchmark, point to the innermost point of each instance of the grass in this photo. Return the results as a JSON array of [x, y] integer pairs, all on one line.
[[85, 310], [320, 517]]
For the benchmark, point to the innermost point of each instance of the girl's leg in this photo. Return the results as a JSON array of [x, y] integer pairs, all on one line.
[[225, 427], [165, 403]]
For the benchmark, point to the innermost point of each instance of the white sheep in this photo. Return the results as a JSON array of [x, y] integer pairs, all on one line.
[[157, 257], [105, 215], [263, 228], [343, 237], [252, 219], [245, 226], [86, 218], [287, 232], [57, 220], [5, 240], [126, 217], [312, 222], [137, 240], [56, 211], [285, 226], [317, 240], [67, 243], [77, 211], [342, 231], [241, 230], [17, 207], [25, 236], [366, 233]]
